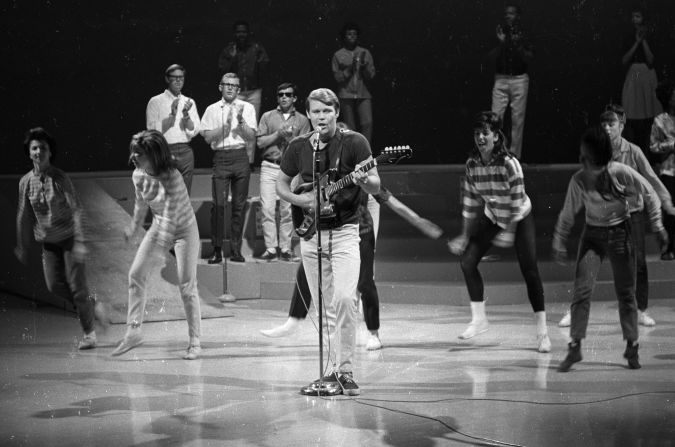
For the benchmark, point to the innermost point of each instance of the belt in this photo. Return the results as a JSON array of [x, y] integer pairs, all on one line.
[[231, 148]]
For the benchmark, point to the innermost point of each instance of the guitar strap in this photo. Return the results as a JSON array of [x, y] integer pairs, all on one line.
[[331, 220]]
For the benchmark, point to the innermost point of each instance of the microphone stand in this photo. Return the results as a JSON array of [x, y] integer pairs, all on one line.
[[319, 388]]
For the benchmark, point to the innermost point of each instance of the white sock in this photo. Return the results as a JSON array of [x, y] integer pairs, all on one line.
[[540, 318]]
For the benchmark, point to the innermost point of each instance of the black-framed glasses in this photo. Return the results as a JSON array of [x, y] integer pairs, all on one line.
[[286, 94], [225, 84]]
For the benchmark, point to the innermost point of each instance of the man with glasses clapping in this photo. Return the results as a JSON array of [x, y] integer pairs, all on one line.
[[228, 126]]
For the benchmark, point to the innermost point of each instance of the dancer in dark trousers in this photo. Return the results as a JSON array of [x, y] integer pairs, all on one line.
[[604, 188], [497, 211]]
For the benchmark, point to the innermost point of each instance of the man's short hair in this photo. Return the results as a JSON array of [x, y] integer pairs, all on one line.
[[516, 6], [173, 67], [285, 85], [350, 26], [230, 76], [240, 23], [324, 95], [613, 111]]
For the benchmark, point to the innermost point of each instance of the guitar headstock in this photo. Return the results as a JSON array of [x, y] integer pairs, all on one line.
[[394, 154]]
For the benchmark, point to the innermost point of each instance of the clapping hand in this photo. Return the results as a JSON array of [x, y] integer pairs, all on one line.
[[286, 131], [174, 106], [501, 35], [186, 108]]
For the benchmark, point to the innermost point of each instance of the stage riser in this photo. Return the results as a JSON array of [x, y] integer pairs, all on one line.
[[456, 294]]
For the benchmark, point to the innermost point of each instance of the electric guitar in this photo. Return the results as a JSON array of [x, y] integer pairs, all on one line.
[[303, 219]]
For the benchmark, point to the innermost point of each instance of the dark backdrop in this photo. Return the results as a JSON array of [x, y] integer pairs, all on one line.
[[85, 69]]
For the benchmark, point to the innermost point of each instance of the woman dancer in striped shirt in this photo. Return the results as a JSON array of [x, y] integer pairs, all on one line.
[[496, 211], [160, 186]]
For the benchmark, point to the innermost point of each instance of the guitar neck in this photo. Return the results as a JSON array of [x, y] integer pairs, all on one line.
[[347, 180]]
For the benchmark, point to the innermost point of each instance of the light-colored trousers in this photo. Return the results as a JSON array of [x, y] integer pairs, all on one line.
[[150, 256], [513, 90], [340, 263], [268, 203]]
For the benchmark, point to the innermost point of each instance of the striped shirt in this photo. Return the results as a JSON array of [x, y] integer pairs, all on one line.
[[496, 189], [168, 199], [581, 193], [49, 204]]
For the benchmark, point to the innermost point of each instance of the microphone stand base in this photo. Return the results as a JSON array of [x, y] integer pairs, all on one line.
[[322, 389]]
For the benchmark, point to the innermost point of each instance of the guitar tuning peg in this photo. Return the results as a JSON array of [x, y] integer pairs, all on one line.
[[398, 148], [387, 149]]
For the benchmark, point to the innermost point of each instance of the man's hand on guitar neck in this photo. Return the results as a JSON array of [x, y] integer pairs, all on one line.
[[369, 183]]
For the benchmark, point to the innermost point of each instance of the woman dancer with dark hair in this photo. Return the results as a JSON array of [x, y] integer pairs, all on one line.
[[160, 187], [497, 211]]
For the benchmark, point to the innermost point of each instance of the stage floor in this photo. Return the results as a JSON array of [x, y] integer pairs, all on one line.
[[425, 388]]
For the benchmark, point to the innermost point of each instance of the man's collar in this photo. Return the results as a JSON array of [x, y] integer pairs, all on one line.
[[291, 110], [168, 92], [624, 146]]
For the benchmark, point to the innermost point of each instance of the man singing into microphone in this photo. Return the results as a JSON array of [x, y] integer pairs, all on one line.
[[345, 152]]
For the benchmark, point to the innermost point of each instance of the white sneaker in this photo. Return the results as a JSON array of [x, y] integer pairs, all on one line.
[[132, 339], [474, 328], [373, 343], [566, 321], [192, 352], [544, 343], [284, 330], [87, 342], [644, 319]]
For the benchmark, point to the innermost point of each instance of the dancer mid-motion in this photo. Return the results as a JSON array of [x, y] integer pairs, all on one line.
[[497, 211], [605, 189], [160, 187], [613, 121], [49, 207]]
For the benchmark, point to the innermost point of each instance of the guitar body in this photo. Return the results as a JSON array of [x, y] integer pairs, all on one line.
[[303, 219]]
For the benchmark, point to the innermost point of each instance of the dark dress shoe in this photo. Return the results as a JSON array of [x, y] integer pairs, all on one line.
[[216, 258], [237, 257]]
